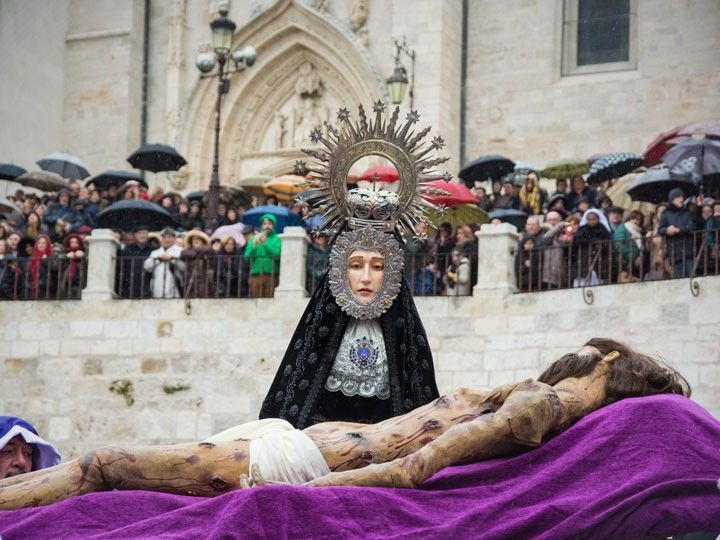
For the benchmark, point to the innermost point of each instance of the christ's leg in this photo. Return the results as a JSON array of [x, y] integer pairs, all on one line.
[[205, 469]]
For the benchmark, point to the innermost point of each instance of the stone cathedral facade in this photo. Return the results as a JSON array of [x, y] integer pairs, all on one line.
[[97, 77]]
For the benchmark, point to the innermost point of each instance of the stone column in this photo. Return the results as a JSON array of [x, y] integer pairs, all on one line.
[[292, 263], [102, 248], [496, 262]]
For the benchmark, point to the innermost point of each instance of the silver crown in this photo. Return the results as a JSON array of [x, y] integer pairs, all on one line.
[[371, 208]]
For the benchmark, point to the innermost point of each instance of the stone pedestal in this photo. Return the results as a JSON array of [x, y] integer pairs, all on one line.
[[496, 262], [292, 263], [102, 248]]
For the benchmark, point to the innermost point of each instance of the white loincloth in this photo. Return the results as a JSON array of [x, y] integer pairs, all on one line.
[[282, 453]]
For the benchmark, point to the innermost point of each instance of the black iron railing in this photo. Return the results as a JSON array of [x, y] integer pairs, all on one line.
[[656, 257], [49, 278], [204, 276]]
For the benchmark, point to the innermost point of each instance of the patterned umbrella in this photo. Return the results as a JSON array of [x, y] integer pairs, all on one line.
[[9, 171], [42, 180], [492, 167], [613, 166], [700, 157], [66, 165], [654, 185], [156, 158]]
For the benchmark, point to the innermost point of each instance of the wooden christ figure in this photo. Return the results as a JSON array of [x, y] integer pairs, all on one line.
[[463, 427]]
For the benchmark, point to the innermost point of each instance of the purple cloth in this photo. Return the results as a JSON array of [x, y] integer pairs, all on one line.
[[640, 467]]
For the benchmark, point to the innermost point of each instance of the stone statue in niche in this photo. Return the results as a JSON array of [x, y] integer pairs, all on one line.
[[178, 179], [308, 84], [305, 119], [358, 18], [281, 130], [309, 88]]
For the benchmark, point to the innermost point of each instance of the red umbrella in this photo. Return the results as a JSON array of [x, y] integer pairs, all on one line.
[[381, 173], [710, 129], [659, 145], [458, 193]]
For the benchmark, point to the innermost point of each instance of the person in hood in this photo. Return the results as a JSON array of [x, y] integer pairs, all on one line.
[[263, 252], [22, 450], [591, 249], [677, 226]]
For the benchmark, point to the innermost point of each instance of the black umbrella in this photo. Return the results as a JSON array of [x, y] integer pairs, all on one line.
[[697, 157], [115, 178], [66, 165], [156, 158], [131, 213], [654, 185], [510, 215], [9, 171], [491, 167], [613, 166]]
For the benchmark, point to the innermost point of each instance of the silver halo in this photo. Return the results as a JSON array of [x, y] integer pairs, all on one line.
[[369, 240]]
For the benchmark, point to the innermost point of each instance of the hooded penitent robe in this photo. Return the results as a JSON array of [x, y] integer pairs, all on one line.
[[298, 393]]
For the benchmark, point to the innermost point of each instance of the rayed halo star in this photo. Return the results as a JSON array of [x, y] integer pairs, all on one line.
[[340, 146]]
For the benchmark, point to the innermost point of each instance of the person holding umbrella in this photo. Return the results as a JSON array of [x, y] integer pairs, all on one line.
[[677, 225], [263, 252]]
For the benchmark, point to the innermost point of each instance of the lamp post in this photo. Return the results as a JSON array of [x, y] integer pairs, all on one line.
[[397, 83], [222, 33]]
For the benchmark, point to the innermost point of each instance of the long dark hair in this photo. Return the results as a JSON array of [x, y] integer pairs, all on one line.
[[633, 374]]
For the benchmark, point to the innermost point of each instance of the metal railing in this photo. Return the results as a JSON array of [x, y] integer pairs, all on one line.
[[49, 278], [203, 276], [435, 274], [656, 257]]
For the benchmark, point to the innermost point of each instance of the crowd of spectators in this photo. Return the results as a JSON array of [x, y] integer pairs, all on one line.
[[573, 237], [582, 239]]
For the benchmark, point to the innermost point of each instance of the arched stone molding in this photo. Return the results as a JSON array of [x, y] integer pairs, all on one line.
[[286, 36]]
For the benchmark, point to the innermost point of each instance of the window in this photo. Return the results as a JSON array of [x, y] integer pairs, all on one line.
[[598, 35]]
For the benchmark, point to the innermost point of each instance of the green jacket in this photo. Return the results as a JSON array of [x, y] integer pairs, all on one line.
[[625, 247], [264, 258]]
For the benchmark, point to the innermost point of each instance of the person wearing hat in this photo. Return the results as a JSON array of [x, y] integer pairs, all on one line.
[[21, 448], [166, 267], [677, 226], [198, 256], [263, 252]]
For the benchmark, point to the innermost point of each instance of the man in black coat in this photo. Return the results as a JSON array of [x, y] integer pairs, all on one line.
[[134, 283], [677, 226]]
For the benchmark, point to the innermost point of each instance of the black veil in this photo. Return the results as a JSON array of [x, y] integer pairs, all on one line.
[[298, 390]]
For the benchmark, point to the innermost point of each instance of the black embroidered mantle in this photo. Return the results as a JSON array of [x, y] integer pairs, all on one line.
[[300, 381]]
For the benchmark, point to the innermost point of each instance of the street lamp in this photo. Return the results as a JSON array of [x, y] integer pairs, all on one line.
[[222, 33], [397, 83]]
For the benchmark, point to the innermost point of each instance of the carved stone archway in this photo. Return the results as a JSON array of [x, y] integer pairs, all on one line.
[[307, 66]]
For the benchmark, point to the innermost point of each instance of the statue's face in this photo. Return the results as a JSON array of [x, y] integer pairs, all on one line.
[[366, 270]]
